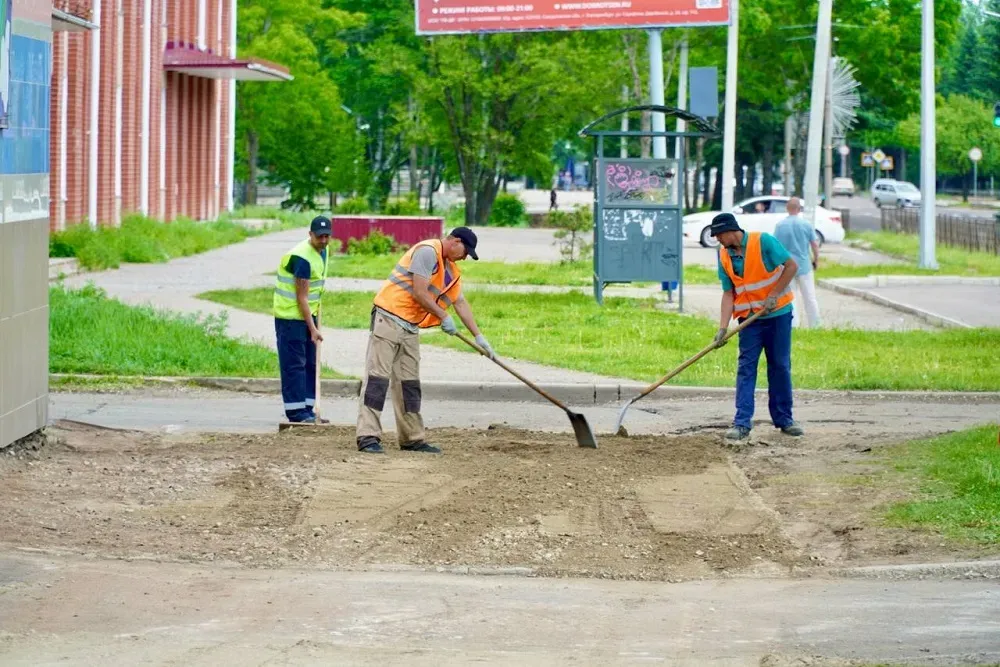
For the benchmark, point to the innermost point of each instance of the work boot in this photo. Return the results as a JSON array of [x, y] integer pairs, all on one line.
[[420, 446], [738, 433], [370, 445], [792, 429]]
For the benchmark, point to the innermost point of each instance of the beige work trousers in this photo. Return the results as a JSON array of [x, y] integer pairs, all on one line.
[[392, 363]]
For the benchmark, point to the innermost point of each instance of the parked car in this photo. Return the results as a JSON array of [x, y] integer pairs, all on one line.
[[889, 192], [762, 214], [843, 186]]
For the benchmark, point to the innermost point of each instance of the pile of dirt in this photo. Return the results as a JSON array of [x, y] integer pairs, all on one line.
[[642, 507]]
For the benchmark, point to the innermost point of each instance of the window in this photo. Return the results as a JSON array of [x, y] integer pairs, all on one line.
[[5, 37]]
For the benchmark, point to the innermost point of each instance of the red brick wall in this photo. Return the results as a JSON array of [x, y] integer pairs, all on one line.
[[192, 141]]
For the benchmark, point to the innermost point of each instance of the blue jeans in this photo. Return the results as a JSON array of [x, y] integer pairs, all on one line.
[[297, 361], [774, 337]]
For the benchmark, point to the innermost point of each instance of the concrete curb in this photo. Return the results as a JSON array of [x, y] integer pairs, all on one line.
[[906, 281], [577, 394], [62, 267], [984, 569], [927, 316]]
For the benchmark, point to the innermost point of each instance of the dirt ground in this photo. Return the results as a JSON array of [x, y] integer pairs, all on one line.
[[663, 508]]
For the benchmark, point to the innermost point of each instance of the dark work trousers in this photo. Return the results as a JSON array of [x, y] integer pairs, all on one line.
[[297, 359], [773, 336]]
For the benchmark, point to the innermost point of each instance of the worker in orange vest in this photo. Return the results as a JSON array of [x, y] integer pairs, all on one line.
[[756, 271], [417, 295]]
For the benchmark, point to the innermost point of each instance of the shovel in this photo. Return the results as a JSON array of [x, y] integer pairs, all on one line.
[[620, 429], [584, 436]]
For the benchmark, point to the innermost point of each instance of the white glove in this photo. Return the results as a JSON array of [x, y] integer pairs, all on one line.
[[485, 344], [448, 326]]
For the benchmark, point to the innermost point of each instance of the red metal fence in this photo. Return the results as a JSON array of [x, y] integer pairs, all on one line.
[[406, 230]]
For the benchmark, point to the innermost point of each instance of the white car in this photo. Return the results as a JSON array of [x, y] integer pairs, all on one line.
[[762, 214], [888, 192]]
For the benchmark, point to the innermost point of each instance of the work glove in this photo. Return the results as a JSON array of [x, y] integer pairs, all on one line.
[[448, 326], [485, 345], [720, 337], [770, 304]]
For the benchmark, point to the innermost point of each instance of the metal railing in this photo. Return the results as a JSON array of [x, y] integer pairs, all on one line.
[[969, 233]]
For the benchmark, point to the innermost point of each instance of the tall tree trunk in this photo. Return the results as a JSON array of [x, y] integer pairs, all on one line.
[[902, 164], [253, 148], [699, 164], [706, 186], [717, 192], [750, 189], [738, 191], [767, 164]]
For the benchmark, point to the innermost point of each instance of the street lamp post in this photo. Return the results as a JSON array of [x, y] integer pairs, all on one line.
[[928, 141]]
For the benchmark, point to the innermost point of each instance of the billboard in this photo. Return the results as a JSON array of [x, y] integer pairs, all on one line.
[[438, 17]]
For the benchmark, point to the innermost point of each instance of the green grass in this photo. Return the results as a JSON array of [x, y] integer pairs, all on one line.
[[956, 481], [578, 273], [92, 334], [632, 338], [952, 261], [143, 240]]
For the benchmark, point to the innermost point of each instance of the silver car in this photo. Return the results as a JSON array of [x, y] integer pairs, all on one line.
[[888, 192]]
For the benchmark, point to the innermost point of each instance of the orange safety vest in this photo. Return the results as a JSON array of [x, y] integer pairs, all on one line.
[[396, 295], [753, 288]]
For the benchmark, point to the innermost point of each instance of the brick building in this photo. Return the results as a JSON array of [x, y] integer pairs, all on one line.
[[142, 109]]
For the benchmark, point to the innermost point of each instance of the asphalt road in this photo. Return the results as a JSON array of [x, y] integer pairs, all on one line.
[[866, 217]]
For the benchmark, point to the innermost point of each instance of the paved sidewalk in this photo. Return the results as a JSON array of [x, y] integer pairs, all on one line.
[[957, 300], [68, 610], [180, 410]]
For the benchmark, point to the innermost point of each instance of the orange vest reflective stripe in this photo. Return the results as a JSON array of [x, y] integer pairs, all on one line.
[[396, 295], [756, 283]]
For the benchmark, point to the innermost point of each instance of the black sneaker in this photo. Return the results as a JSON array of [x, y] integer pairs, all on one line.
[[370, 445], [420, 446], [793, 430], [738, 433]]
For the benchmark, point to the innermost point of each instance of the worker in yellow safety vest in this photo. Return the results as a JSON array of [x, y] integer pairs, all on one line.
[[755, 271], [417, 295], [298, 289]]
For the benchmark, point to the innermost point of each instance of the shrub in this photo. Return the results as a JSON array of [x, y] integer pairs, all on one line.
[[376, 243], [575, 229], [508, 211], [354, 206], [408, 206], [455, 216]]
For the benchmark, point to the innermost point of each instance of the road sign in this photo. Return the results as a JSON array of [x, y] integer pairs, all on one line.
[[867, 160], [845, 151], [878, 155], [975, 155], [436, 17], [886, 164]]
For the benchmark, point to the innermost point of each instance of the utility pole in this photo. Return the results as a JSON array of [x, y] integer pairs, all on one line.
[[656, 95], [729, 131], [821, 62], [828, 131], [928, 142]]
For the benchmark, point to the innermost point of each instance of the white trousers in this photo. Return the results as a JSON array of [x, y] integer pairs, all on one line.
[[805, 302]]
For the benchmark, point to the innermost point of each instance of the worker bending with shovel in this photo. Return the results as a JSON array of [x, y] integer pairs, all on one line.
[[756, 271], [298, 289], [417, 295]]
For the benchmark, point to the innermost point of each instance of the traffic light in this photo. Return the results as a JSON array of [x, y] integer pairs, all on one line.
[[996, 114]]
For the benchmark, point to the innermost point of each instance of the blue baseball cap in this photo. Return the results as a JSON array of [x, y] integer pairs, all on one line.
[[321, 226]]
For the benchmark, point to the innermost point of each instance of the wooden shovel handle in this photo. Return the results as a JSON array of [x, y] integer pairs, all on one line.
[[743, 325], [510, 370]]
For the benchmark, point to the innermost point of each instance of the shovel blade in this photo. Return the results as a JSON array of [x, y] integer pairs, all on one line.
[[584, 436]]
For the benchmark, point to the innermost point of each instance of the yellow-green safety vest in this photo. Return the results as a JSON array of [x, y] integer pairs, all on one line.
[[286, 307]]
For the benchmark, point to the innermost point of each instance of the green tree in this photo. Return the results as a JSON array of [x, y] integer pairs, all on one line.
[[501, 100], [296, 129], [962, 123]]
